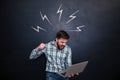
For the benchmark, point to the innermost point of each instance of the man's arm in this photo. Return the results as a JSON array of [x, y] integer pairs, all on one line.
[[69, 58], [37, 51]]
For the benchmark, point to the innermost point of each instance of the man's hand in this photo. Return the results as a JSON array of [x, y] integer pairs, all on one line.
[[72, 75], [41, 46]]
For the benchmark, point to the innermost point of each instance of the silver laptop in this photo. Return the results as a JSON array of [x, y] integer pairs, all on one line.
[[76, 68]]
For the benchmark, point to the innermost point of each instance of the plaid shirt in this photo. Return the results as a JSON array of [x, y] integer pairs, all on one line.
[[57, 60]]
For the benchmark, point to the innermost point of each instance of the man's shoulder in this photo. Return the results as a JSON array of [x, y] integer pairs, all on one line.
[[50, 43]]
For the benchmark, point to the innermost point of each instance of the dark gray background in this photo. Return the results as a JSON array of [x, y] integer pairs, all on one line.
[[98, 42]]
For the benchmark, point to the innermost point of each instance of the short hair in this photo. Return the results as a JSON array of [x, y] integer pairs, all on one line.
[[62, 34]]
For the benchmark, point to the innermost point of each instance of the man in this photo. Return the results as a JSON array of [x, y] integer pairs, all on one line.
[[58, 55]]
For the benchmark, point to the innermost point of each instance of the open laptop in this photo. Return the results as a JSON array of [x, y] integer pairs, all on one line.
[[76, 68]]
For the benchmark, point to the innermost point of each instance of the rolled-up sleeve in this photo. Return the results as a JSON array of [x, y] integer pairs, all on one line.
[[36, 53]]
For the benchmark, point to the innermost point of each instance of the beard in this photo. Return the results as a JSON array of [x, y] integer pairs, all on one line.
[[60, 47]]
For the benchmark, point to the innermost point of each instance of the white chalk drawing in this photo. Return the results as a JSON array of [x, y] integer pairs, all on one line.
[[78, 29], [72, 16], [38, 29], [45, 17], [59, 12]]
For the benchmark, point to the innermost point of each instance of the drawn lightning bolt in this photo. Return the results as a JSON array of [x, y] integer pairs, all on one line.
[[78, 28], [45, 17], [59, 11], [72, 16], [38, 29]]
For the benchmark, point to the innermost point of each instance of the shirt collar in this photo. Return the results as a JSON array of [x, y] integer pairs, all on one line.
[[53, 42]]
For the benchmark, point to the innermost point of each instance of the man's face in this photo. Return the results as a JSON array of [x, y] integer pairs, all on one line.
[[61, 43]]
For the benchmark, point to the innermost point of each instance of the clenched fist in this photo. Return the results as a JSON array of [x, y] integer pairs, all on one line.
[[41, 46]]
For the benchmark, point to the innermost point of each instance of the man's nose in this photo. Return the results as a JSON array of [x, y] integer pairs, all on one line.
[[63, 44]]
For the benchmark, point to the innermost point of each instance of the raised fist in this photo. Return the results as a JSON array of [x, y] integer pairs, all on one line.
[[41, 46]]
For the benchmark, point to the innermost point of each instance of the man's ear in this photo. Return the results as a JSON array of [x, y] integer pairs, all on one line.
[[56, 39]]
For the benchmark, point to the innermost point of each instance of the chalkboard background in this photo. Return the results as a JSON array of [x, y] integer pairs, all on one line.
[[98, 42]]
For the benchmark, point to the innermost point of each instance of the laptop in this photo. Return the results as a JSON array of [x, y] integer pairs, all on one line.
[[75, 68]]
